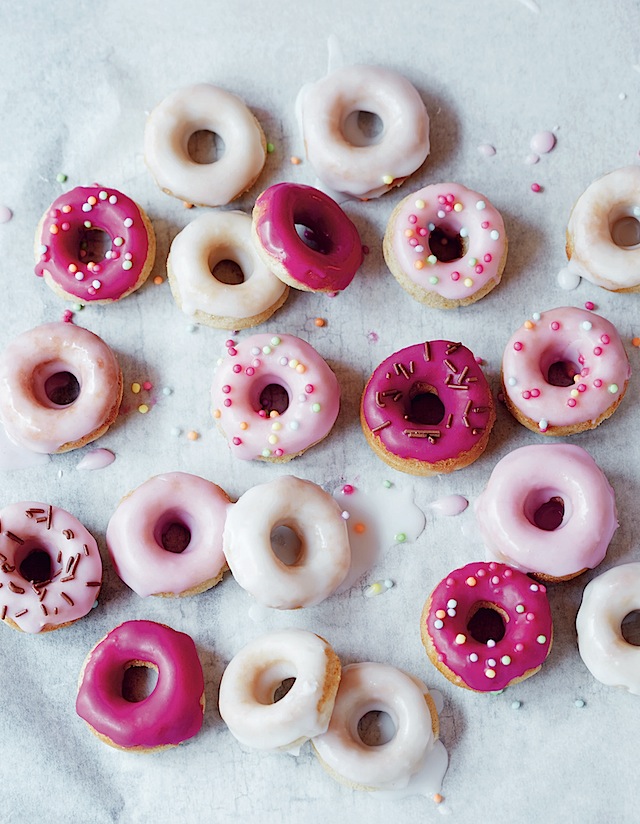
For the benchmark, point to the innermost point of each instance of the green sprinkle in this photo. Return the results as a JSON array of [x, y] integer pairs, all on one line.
[[432, 259], [270, 147], [433, 280], [387, 484], [275, 341], [400, 538], [127, 265], [78, 307], [613, 388], [472, 261], [266, 350], [315, 407], [61, 177], [265, 453]]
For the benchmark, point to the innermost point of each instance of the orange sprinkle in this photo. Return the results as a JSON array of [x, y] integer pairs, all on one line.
[[419, 264], [636, 341], [438, 798], [322, 322], [243, 425], [216, 413], [471, 581], [359, 528], [193, 435], [158, 280], [528, 324], [187, 205], [295, 160], [274, 413], [53, 229]]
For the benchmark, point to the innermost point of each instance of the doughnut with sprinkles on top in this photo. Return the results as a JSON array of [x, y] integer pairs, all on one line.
[[564, 371], [273, 397], [428, 409], [486, 626], [62, 246], [446, 245]]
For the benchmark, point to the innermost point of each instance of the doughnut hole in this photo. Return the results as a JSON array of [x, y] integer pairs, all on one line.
[[423, 405], [487, 622], [53, 385], [624, 226], [36, 563], [376, 728], [270, 397], [230, 265], [205, 147], [273, 682], [446, 244], [94, 243], [286, 545], [313, 232], [559, 367], [547, 509], [630, 628], [362, 128], [139, 681], [172, 532]]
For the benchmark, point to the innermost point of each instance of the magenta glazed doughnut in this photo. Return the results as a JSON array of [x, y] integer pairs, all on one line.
[[332, 253], [486, 626], [428, 408]]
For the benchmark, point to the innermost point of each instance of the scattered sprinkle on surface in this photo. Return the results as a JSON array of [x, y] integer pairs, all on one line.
[[5, 214], [579, 703], [192, 435], [61, 177], [295, 160]]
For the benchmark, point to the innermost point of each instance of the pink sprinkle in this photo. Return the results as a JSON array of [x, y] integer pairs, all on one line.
[[450, 198], [495, 580], [65, 226], [543, 142], [485, 224], [147, 385], [530, 616], [68, 316], [365, 251], [448, 207], [5, 214], [250, 371], [262, 413], [508, 573], [347, 489], [518, 346], [571, 402], [226, 389], [413, 241], [232, 352], [487, 150], [308, 388], [229, 343], [493, 565], [581, 359], [450, 582], [256, 363], [413, 219], [519, 646], [555, 325], [455, 275], [589, 305], [237, 368], [605, 339], [536, 187], [582, 387], [278, 452], [597, 383], [526, 394], [478, 360], [227, 401], [332, 294], [597, 351], [422, 231], [237, 441], [479, 269], [535, 393], [584, 372], [488, 258], [442, 199]]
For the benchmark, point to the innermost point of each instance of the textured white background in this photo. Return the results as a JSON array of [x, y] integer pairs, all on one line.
[[76, 81]]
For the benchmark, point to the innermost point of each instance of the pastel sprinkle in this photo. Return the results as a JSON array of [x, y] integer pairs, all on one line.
[[613, 388], [635, 342], [359, 528], [374, 589], [295, 160], [541, 639], [515, 705], [315, 407], [387, 484], [579, 703], [6, 214], [270, 148], [143, 409], [460, 639], [400, 538], [471, 581], [438, 799], [536, 187], [158, 279], [192, 435], [135, 388], [320, 322], [420, 204], [61, 177], [387, 180]]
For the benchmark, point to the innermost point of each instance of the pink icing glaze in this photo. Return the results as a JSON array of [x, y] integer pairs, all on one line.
[[331, 266], [93, 207], [528, 628], [286, 361], [457, 211], [171, 714], [522, 484], [592, 348], [136, 529], [96, 459], [72, 577], [450, 371]]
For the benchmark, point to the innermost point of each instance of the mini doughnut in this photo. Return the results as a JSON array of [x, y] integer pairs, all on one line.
[[324, 557], [369, 687], [273, 397], [60, 388], [197, 249], [173, 711], [606, 602], [446, 245], [564, 371], [165, 537], [63, 260], [428, 409], [486, 626], [549, 510], [336, 151], [204, 107], [248, 703], [333, 253], [596, 244], [50, 567]]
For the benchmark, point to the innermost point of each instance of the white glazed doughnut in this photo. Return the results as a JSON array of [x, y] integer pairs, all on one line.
[[197, 249], [324, 557], [247, 699], [593, 228], [204, 107], [606, 602], [371, 170], [371, 687]]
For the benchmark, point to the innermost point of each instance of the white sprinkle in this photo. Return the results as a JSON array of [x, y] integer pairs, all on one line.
[[473, 657], [452, 603], [167, 390], [481, 205], [388, 583], [294, 425], [176, 431], [113, 199], [79, 275], [495, 234], [431, 227], [441, 213], [96, 284], [491, 642], [515, 705], [491, 662], [191, 327], [586, 325], [543, 425], [128, 222], [579, 703], [536, 316], [512, 381], [534, 587], [345, 515], [451, 613], [86, 207], [102, 195], [438, 624], [622, 96]]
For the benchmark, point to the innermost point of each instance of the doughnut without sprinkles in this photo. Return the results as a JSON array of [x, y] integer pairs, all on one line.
[[606, 602], [204, 107], [173, 711], [60, 388], [248, 702], [548, 510], [363, 171]]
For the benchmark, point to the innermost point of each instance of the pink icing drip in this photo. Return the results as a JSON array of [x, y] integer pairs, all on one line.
[[96, 459]]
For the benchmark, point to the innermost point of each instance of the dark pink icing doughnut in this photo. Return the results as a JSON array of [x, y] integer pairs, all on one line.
[[391, 402], [60, 235], [331, 265], [170, 714], [528, 630]]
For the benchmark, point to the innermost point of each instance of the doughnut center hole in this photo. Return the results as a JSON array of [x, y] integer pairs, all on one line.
[[283, 689], [562, 373], [175, 537], [62, 388], [549, 515], [630, 628], [376, 728], [139, 681], [94, 245], [228, 272], [424, 405], [36, 566], [272, 683], [273, 398], [625, 232], [487, 623], [446, 244], [205, 147], [286, 545], [362, 128], [313, 237]]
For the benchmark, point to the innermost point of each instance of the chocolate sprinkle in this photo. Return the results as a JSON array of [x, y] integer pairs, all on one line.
[[15, 588], [14, 537], [66, 598], [381, 426]]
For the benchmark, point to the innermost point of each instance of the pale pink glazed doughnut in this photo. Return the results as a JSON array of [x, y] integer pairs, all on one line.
[[173, 711], [428, 408], [165, 537], [486, 626], [68, 268], [60, 388], [273, 397], [329, 259], [50, 567], [564, 371], [446, 245], [549, 510]]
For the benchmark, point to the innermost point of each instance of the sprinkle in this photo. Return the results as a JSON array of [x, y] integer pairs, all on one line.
[[506, 660], [468, 282], [315, 407], [387, 180], [347, 489], [473, 657], [543, 425], [480, 205], [635, 342], [438, 799], [586, 325], [457, 207], [135, 388], [387, 484], [374, 589], [528, 324], [590, 305], [460, 639], [320, 322], [613, 388], [143, 408], [520, 608], [495, 234], [471, 581], [490, 673], [192, 435], [61, 177], [536, 187], [295, 161], [541, 639], [438, 623], [452, 603], [158, 279], [515, 705], [359, 528], [400, 538], [419, 204], [518, 346], [579, 703], [126, 265], [345, 515]]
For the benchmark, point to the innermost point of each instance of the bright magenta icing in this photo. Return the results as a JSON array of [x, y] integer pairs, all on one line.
[[442, 367], [330, 267], [85, 208], [170, 714], [74, 573], [528, 628]]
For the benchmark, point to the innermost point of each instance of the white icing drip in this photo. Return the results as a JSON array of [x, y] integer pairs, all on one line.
[[450, 505], [96, 459], [427, 780], [335, 55], [15, 456], [569, 277]]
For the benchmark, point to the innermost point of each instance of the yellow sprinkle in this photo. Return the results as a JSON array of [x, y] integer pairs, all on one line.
[[66, 209], [158, 279], [359, 528], [420, 204], [574, 393], [295, 160], [471, 581], [301, 368], [528, 324], [135, 388], [419, 264], [272, 439], [143, 409], [192, 435], [460, 638], [276, 427], [375, 589], [490, 673], [387, 180], [243, 424], [457, 207], [577, 378], [217, 413], [293, 363], [468, 282], [53, 229]]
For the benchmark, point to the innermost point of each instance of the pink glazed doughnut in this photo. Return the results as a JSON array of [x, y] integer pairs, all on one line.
[[547, 510], [333, 253], [446, 245], [165, 537], [564, 371], [273, 397], [173, 711], [63, 263], [428, 409], [486, 626]]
